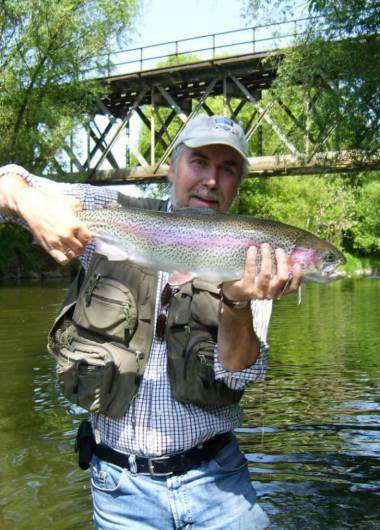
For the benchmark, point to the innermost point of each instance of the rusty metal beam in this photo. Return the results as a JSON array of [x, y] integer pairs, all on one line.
[[120, 128], [265, 113]]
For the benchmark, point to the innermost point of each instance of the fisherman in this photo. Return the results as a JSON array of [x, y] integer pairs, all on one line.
[[160, 444]]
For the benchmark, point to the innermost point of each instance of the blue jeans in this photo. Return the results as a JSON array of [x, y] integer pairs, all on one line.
[[215, 496]]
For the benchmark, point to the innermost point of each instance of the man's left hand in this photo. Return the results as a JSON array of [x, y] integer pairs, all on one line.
[[264, 283]]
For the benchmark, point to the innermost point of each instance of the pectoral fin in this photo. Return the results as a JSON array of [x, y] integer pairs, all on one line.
[[112, 252]]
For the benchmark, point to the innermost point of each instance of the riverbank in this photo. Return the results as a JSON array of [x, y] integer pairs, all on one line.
[[22, 259], [359, 266]]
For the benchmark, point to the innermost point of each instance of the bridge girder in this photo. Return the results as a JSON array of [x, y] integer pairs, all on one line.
[[161, 101]]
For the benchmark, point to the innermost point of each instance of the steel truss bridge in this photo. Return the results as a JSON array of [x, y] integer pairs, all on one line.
[[132, 132]]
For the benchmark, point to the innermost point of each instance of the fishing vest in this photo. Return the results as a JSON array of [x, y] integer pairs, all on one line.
[[102, 337]]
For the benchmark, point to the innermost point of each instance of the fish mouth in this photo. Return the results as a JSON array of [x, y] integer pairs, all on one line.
[[336, 276], [326, 275]]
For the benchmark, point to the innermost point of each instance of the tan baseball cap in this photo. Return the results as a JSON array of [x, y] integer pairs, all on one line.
[[208, 130]]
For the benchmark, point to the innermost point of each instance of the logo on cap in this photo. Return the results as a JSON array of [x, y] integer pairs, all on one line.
[[226, 124]]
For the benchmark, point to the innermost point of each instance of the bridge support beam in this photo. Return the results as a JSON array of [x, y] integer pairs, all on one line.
[[134, 129]]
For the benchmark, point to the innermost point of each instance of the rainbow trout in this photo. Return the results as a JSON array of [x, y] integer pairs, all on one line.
[[202, 243]]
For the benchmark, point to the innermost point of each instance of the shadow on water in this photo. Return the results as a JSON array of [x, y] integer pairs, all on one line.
[[311, 431]]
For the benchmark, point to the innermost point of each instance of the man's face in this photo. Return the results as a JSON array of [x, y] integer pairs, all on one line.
[[206, 177]]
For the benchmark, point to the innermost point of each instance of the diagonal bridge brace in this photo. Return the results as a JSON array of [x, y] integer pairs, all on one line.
[[183, 117], [264, 115], [119, 130]]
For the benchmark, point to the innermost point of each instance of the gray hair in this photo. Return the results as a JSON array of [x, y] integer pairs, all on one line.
[[177, 155]]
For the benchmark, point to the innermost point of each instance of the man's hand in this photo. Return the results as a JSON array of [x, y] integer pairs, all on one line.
[[238, 344], [264, 284], [51, 217], [53, 222]]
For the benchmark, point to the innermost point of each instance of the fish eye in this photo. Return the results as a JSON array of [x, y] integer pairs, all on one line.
[[330, 256]]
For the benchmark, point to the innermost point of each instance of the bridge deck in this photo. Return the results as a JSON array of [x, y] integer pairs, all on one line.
[[186, 82]]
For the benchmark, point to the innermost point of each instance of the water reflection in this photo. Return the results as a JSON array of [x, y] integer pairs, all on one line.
[[311, 431], [41, 486]]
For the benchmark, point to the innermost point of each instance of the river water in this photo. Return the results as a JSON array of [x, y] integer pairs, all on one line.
[[311, 431]]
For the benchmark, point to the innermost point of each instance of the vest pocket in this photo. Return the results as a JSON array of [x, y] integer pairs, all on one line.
[[101, 377], [199, 378], [205, 304], [107, 307], [192, 337]]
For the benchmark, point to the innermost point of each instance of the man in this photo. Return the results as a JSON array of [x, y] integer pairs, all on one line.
[[162, 450]]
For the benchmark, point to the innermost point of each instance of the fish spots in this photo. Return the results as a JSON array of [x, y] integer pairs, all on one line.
[[208, 246]]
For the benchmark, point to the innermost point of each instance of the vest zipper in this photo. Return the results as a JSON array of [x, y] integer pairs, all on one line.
[[90, 288], [105, 299]]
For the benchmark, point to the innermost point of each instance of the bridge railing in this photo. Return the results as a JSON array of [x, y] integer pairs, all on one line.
[[255, 39]]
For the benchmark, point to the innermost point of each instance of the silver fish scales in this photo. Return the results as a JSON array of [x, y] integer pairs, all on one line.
[[203, 243]]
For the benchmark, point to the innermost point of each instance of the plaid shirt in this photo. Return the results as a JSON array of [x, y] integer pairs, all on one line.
[[156, 424]]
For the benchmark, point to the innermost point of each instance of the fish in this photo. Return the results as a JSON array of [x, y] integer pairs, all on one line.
[[202, 243]]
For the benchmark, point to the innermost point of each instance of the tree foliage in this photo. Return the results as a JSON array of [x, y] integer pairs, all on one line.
[[47, 49], [332, 68], [364, 236], [322, 205], [334, 62]]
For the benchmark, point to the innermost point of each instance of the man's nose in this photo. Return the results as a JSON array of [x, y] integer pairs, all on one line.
[[211, 177]]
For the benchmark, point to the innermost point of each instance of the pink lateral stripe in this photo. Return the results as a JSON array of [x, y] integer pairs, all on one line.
[[184, 239], [305, 256]]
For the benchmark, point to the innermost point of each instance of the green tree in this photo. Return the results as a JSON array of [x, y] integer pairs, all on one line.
[[364, 235], [334, 63], [322, 205], [49, 50]]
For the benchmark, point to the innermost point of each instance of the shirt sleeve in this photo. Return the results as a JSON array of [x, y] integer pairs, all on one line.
[[89, 196], [261, 313]]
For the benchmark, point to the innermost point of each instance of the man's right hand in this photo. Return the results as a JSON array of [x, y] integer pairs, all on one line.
[[50, 216]]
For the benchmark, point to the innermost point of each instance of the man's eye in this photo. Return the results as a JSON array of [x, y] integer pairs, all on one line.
[[199, 162], [231, 170]]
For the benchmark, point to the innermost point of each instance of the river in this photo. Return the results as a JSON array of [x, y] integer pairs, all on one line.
[[311, 431]]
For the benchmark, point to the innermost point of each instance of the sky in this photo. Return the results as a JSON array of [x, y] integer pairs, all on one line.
[[165, 20]]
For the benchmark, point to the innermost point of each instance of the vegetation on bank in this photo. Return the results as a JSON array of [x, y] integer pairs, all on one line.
[[21, 258], [48, 52], [339, 208]]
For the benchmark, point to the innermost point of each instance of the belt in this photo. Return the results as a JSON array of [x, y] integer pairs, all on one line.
[[164, 466]]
